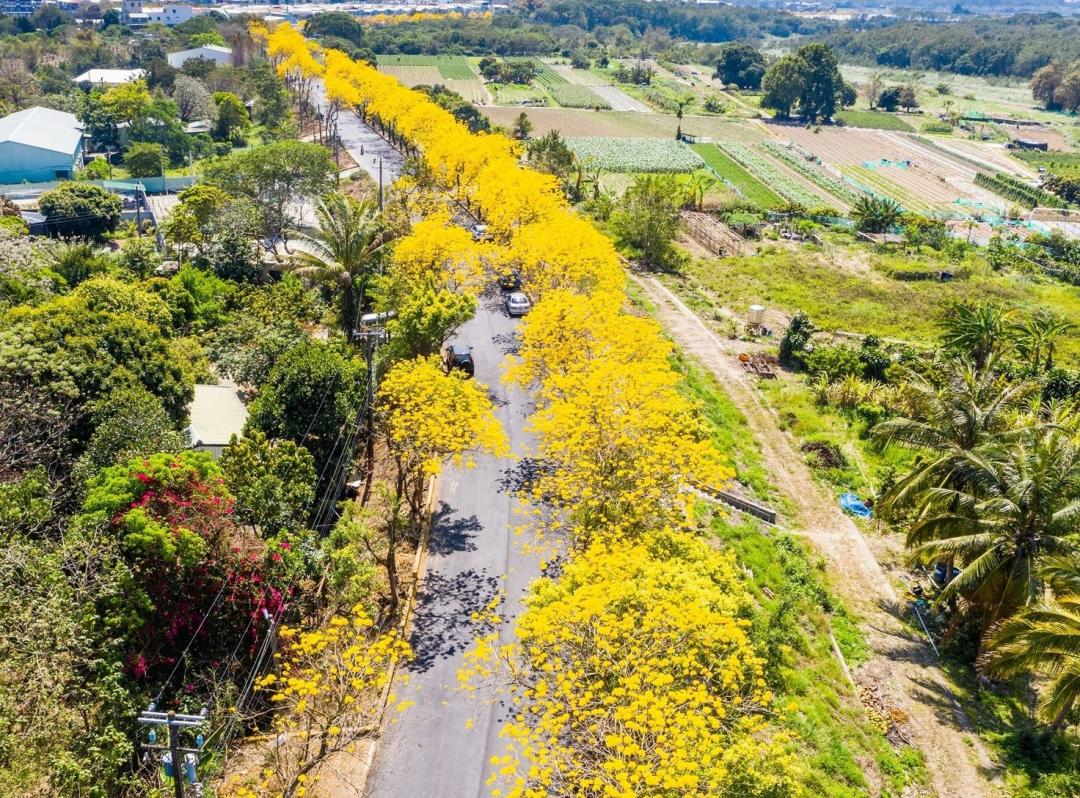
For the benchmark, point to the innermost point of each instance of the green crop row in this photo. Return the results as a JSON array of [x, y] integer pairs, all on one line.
[[765, 171], [748, 186], [811, 172], [1019, 192]]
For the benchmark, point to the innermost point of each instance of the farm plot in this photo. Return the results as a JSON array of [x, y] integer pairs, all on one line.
[[728, 170], [765, 171], [897, 166], [473, 90], [619, 100], [414, 75], [623, 124], [451, 67], [812, 172], [579, 77], [570, 95], [635, 155]]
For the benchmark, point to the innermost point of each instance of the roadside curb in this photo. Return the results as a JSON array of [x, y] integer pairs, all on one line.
[[419, 561]]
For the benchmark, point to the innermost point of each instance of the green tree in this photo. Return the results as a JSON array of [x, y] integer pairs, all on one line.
[[312, 396], [875, 214], [1036, 338], [206, 38], [232, 118], [796, 338], [128, 423], [127, 102], [427, 315], [140, 256], [979, 332], [956, 410], [273, 482], [1044, 639], [647, 217], [80, 209], [144, 159], [1017, 509], [276, 177], [551, 155], [103, 336], [782, 85], [740, 64], [522, 127], [823, 87], [345, 250]]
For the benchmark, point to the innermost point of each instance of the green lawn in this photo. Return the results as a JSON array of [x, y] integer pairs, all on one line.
[[873, 119], [749, 186]]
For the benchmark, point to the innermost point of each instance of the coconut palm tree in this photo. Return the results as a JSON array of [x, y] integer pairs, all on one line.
[[345, 250], [1018, 507], [1044, 639], [958, 411], [1036, 338], [979, 331]]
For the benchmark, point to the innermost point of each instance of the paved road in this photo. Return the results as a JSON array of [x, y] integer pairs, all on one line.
[[427, 751], [356, 137]]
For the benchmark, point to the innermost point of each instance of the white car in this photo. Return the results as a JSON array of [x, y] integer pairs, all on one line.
[[517, 304]]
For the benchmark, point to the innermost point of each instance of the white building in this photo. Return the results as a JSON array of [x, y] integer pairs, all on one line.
[[134, 14], [211, 52], [109, 77]]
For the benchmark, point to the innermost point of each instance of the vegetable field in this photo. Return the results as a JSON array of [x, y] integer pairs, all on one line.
[[452, 67], [765, 171], [728, 170], [1019, 192], [879, 120], [812, 172], [570, 95], [635, 155]]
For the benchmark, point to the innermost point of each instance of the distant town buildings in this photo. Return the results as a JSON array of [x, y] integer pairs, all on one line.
[[39, 144], [20, 6], [136, 15]]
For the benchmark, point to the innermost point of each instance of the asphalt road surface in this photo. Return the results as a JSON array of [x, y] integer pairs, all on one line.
[[441, 746]]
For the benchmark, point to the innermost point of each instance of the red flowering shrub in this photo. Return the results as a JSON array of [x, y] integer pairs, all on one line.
[[186, 556]]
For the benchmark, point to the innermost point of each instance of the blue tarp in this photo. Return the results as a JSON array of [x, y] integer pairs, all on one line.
[[853, 504]]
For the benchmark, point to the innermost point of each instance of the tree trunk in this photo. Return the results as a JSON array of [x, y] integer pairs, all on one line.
[[1059, 720]]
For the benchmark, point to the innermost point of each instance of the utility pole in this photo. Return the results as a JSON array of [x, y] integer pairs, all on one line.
[[380, 182], [178, 761], [374, 333]]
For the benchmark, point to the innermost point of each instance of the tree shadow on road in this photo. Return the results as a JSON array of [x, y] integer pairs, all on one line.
[[449, 533], [443, 624], [522, 476]]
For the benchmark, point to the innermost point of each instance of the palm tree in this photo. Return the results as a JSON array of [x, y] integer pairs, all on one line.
[[1017, 508], [978, 331], [1037, 337], [1044, 639], [875, 214], [345, 249], [961, 410]]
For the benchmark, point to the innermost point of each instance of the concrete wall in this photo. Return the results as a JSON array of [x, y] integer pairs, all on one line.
[[20, 163]]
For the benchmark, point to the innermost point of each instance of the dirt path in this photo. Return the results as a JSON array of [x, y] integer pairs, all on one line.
[[902, 664]]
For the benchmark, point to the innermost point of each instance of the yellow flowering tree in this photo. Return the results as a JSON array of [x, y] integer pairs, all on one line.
[[633, 674], [328, 687], [430, 417]]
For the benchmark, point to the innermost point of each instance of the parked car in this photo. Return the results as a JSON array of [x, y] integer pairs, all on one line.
[[457, 356], [511, 281], [517, 304]]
